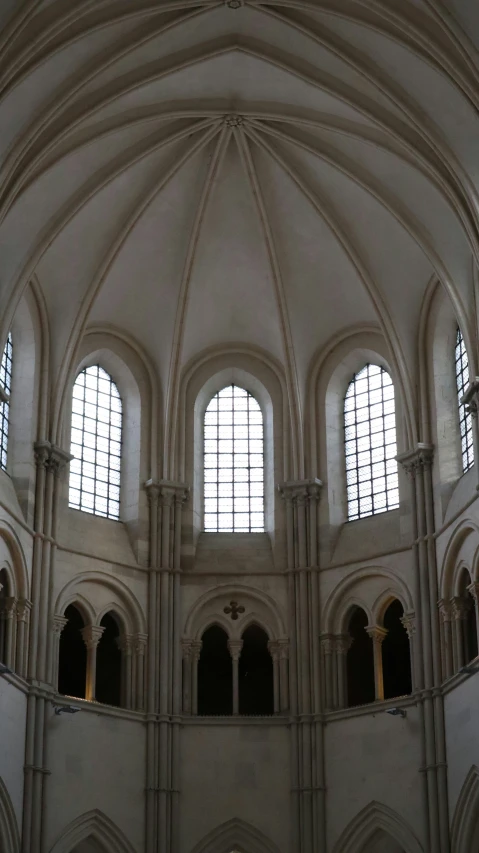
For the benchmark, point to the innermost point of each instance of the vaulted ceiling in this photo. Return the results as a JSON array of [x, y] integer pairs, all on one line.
[[265, 173]]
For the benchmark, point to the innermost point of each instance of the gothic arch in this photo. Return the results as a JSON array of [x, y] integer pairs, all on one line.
[[126, 603], [376, 816], [465, 825], [16, 568], [9, 835], [208, 610], [449, 573], [348, 592], [94, 826], [234, 834]]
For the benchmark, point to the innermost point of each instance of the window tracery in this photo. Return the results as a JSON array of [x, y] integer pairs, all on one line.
[[96, 444], [370, 443], [6, 385], [233, 463], [465, 418]]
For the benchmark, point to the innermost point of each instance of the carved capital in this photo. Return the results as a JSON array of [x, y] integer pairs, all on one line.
[[139, 644], [8, 607], [460, 607], [445, 610], [473, 588], [152, 490], [59, 623], [125, 643], [300, 491], [273, 649], [92, 635], [233, 4], [186, 649], [327, 643], [23, 610], [196, 647], [51, 457], [233, 120], [408, 621], [376, 633], [342, 643], [283, 649], [416, 460], [235, 647], [471, 398]]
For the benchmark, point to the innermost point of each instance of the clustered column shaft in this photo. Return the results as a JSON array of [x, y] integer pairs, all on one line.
[[301, 500], [164, 665]]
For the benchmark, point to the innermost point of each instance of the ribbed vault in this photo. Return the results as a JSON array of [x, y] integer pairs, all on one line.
[[198, 174]]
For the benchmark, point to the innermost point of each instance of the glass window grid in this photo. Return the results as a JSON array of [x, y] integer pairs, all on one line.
[[6, 383], [370, 444], [465, 419], [233, 463], [96, 436]]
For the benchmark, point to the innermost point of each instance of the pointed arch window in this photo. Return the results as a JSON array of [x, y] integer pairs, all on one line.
[[370, 443], [465, 419], [6, 385], [96, 444], [233, 463]]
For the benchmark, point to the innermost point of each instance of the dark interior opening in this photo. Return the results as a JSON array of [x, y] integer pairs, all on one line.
[[108, 663], [360, 661], [72, 656], [215, 674], [4, 593], [396, 654], [255, 674]]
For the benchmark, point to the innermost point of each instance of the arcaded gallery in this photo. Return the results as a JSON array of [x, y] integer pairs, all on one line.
[[239, 439]]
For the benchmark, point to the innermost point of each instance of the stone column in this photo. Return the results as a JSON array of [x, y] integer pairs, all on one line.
[[8, 619], [377, 635], [445, 610], [91, 637], [152, 491], [125, 645], [471, 402], [139, 649], [59, 623], [235, 647], [186, 653], [307, 738], [428, 675], [408, 622], [273, 649], [283, 647], [195, 656], [23, 621], [327, 647], [460, 607], [473, 588], [342, 645]]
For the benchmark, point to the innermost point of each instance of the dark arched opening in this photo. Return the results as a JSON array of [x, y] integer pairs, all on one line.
[[215, 674], [396, 653], [255, 673], [360, 661], [469, 624], [108, 663], [4, 595], [72, 656]]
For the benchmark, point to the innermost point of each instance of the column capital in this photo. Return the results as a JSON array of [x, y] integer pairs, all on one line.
[[418, 459], [408, 621], [186, 649], [283, 648], [445, 609], [327, 643], [196, 647], [23, 609], [471, 398], [235, 647], [460, 607], [59, 623], [139, 643], [376, 633], [342, 643], [92, 635], [273, 649], [8, 606], [473, 588], [125, 643], [51, 457], [300, 491], [152, 490]]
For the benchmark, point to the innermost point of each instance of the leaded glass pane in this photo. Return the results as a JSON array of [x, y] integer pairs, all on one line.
[[96, 444], [6, 383], [233, 463], [370, 443], [465, 419]]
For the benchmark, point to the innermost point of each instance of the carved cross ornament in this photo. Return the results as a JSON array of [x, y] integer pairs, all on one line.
[[234, 610]]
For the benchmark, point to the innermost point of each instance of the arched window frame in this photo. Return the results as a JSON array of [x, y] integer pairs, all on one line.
[[377, 476], [244, 417], [5, 392], [461, 365], [106, 464]]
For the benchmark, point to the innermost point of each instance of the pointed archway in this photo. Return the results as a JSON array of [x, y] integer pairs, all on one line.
[[9, 835], [370, 824], [465, 825], [92, 832], [235, 836]]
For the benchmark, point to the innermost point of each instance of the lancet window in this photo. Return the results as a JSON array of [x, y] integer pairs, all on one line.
[[6, 385], [370, 443], [96, 444], [465, 419], [233, 463]]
